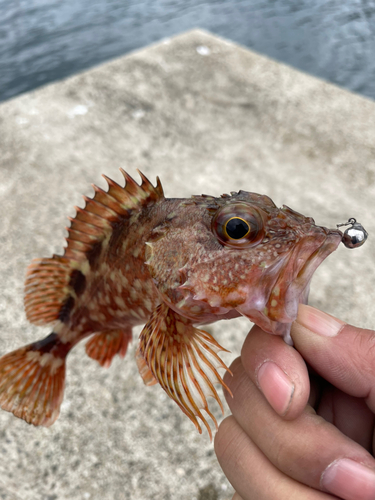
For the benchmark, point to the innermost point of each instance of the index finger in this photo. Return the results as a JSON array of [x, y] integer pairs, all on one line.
[[340, 353], [278, 370]]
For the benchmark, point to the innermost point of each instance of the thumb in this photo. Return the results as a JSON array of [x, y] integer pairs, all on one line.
[[342, 354]]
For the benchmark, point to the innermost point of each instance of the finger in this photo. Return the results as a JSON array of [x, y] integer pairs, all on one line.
[[278, 370], [342, 354], [350, 415], [236, 496], [308, 449], [251, 474]]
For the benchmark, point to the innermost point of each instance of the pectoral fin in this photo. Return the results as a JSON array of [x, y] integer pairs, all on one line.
[[184, 360], [144, 370]]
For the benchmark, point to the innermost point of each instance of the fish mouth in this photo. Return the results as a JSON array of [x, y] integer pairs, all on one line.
[[290, 287]]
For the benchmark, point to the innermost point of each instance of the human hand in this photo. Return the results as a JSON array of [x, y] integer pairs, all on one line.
[[302, 444]]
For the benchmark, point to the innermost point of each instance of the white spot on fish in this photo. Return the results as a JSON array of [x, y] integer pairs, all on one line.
[[45, 359], [136, 252], [120, 302], [84, 267], [137, 284], [140, 312], [148, 305], [58, 327], [124, 280]]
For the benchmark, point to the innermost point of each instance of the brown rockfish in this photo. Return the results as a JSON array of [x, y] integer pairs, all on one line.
[[133, 257]]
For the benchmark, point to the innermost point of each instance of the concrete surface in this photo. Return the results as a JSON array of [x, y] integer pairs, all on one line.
[[206, 116]]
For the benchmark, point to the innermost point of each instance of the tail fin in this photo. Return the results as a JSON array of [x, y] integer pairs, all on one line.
[[32, 380]]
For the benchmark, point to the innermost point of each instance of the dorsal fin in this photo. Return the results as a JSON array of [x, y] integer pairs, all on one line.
[[46, 289], [95, 221], [50, 283]]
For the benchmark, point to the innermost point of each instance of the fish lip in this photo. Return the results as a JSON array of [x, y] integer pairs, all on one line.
[[278, 307], [294, 293]]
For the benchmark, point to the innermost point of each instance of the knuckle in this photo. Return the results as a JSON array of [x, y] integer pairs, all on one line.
[[223, 438], [230, 443]]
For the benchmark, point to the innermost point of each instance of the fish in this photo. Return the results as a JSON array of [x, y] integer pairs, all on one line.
[[135, 257]]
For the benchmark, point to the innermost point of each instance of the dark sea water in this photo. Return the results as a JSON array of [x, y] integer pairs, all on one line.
[[46, 40]]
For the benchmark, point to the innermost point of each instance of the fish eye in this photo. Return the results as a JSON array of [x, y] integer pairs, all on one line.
[[236, 228], [238, 225]]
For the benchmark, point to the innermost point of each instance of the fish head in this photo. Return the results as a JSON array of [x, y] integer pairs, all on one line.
[[218, 258]]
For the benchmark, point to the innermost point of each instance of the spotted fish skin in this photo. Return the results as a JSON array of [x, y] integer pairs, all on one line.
[[135, 257]]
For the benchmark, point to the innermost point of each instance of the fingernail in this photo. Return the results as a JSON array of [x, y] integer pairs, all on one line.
[[276, 386], [319, 321], [349, 480]]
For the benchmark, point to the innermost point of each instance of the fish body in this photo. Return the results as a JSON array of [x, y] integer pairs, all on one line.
[[135, 257]]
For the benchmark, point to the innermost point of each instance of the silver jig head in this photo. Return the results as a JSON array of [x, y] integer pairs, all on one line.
[[355, 235]]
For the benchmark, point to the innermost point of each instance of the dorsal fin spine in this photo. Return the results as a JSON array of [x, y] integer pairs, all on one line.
[[159, 188], [90, 218], [104, 197], [84, 227], [145, 181], [147, 186], [97, 208], [130, 185], [78, 245], [115, 190], [73, 254], [79, 236]]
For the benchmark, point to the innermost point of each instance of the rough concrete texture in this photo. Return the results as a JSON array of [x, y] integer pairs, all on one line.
[[206, 116]]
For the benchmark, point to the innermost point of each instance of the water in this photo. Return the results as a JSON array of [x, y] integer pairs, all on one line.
[[46, 40]]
